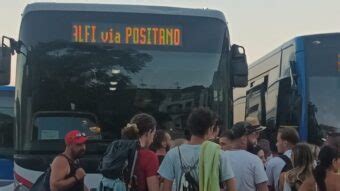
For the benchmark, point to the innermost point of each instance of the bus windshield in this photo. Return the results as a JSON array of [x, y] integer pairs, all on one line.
[[323, 58], [112, 66]]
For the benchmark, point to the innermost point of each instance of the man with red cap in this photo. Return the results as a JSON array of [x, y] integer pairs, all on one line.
[[66, 174]]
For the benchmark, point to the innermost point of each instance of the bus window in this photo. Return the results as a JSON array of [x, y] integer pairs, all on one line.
[[54, 126], [239, 109], [287, 56], [288, 104], [255, 103]]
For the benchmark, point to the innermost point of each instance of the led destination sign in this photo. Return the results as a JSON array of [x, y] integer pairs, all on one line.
[[127, 34]]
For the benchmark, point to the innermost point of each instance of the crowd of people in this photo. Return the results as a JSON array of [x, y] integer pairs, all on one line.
[[234, 159]]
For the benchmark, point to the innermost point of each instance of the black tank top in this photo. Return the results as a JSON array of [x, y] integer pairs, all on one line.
[[74, 165]]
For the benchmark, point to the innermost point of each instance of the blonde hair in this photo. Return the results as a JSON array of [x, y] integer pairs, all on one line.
[[302, 165], [130, 131]]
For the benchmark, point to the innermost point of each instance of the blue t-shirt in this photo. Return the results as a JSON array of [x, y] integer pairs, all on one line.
[[170, 168]]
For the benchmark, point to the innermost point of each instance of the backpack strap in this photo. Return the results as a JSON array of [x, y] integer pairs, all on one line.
[[180, 158], [288, 163], [132, 170], [187, 174], [131, 184]]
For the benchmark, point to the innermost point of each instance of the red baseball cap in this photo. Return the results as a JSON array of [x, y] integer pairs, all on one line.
[[75, 136]]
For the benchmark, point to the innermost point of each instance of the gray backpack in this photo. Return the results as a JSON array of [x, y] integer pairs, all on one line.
[[187, 181]]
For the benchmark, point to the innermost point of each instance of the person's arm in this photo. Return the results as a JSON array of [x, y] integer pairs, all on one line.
[[167, 170], [226, 172], [59, 169], [167, 185], [260, 175], [262, 186], [282, 181], [230, 184], [153, 183]]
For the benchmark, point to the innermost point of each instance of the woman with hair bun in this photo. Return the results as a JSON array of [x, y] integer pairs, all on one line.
[[142, 127]]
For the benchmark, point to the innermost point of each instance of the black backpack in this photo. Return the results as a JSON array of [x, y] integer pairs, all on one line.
[[43, 182], [187, 181], [119, 159]]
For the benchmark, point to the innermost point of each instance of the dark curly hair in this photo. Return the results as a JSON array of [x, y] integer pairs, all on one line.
[[160, 136], [200, 120]]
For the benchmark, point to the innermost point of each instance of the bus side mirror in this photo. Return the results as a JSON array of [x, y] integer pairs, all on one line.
[[239, 66], [5, 65]]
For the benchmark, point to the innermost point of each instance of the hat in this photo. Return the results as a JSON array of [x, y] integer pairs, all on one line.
[[255, 124], [75, 136], [241, 129]]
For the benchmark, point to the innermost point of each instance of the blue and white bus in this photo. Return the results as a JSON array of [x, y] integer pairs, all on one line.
[[6, 135], [297, 84]]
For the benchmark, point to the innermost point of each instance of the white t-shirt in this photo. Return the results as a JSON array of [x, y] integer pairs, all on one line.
[[274, 168], [248, 169]]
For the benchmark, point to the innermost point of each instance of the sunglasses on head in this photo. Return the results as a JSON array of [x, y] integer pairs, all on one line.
[[80, 135]]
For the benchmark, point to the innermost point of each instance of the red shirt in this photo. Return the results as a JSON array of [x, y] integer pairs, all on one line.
[[147, 166]]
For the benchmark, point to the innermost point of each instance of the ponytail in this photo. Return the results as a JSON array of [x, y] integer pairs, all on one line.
[[320, 175]]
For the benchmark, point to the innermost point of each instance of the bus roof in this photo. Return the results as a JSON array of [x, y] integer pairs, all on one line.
[[123, 9], [7, 88], [317, 35], [288, 43]]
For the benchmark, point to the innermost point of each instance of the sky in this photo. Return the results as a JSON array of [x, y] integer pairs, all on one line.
[[258, 25]]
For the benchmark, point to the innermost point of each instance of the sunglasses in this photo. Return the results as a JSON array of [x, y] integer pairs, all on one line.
[[80, 135]]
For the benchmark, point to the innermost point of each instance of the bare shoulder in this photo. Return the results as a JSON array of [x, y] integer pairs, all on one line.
[[308, 184], [59, 162], [337, 184], [310, 179]]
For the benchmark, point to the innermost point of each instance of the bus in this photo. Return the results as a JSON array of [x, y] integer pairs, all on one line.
[[296, 85], [92, 67], [6, 135]]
